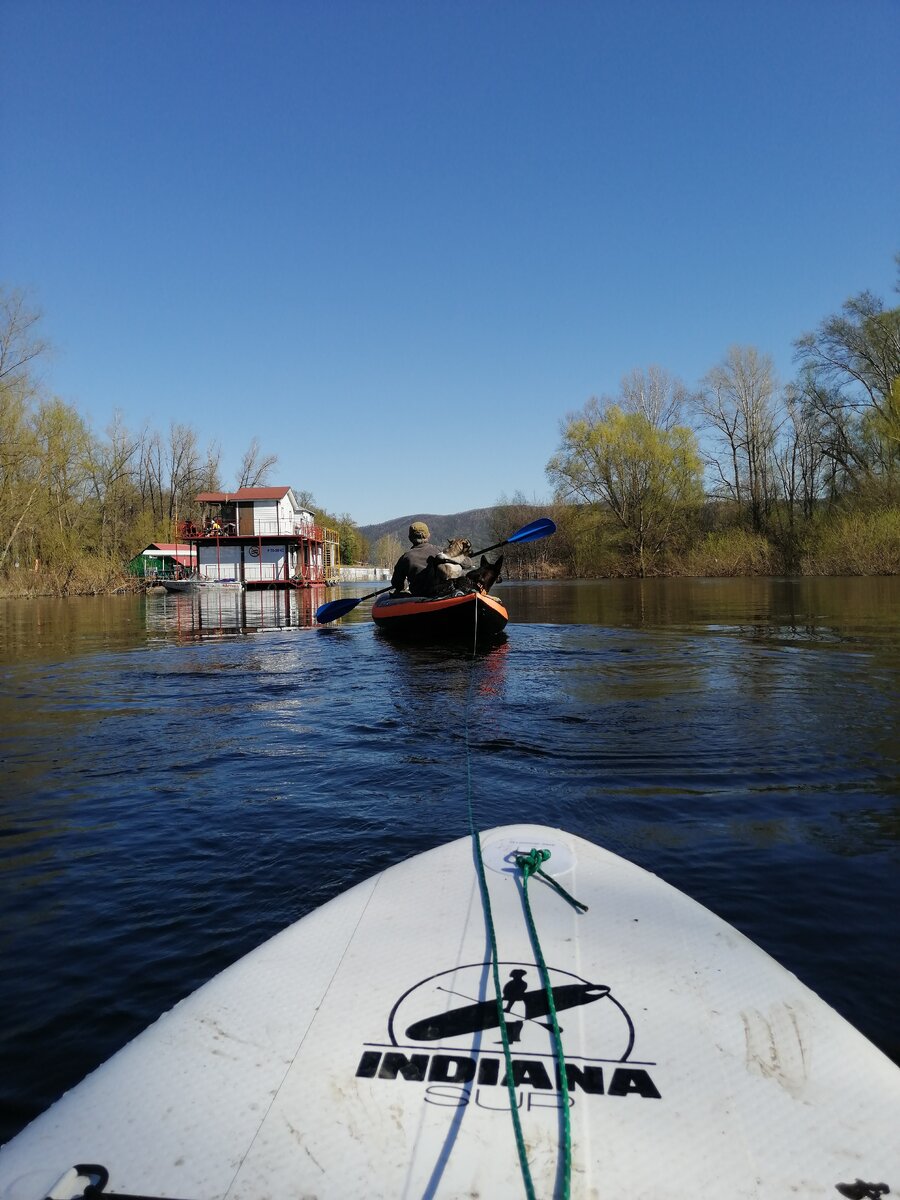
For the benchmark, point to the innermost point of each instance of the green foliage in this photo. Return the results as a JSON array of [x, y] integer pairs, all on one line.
[[76, 506], [642, 474], [857, 543], [880, 427], [803, 479], [733, 551], [352, 546], [584, 542]]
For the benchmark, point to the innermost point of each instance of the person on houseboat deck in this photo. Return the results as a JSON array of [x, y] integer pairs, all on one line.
[[413, 565]]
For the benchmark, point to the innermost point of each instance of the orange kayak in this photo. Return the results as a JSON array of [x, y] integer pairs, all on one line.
[[473, 615]]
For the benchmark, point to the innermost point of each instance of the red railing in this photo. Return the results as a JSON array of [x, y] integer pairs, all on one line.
[[188, 531]]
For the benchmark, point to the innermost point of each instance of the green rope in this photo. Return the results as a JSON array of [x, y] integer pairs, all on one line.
[[530, 864], [492, 936], [498, 995]]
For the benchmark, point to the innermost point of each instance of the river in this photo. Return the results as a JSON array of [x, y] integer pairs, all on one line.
[[183, 777]]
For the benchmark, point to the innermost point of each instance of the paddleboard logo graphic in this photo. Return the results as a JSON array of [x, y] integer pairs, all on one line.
[[456, 1008], [445, 1032]]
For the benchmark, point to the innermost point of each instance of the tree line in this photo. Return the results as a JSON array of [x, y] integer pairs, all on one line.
[[76, 506], [741, 475]]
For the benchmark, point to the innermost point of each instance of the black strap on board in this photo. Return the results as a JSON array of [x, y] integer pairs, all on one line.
[[99, 1178]]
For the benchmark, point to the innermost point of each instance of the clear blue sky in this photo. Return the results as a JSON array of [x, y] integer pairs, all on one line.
[[398, 242]]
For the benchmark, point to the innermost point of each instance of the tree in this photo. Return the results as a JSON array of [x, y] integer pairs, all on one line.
[[644, 475], [522, 560], [655, 394], [112, 472], [850, 365], [353, 546], [800, 462], [737, 399], [306, 500], [183, 468], [171, 472], [21, 478], [20, 346], [62, 528], [254, 469], [387, 550]]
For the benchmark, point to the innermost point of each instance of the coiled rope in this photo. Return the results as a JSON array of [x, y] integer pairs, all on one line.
[[528, 864]]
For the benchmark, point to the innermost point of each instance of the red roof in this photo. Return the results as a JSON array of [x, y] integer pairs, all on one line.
[[274, 493], [183, 555]]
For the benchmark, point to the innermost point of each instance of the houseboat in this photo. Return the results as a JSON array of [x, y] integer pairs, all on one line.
[[262, 538]]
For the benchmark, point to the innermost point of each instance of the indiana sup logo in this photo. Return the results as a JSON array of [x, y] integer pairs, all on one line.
[[444, 1032]]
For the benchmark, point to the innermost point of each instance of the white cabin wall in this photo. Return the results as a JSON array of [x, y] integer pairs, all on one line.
[[286, 515], [265, 518], [267, 565], [222, 562]]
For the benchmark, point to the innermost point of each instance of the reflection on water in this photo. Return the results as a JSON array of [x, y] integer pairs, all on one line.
[[174, 791], [210, 614], [206, 614], [793, 609]]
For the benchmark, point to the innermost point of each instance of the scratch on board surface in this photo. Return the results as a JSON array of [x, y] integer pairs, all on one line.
[[775, 1048]]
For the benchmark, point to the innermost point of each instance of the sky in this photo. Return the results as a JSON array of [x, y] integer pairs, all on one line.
[[398, 242]]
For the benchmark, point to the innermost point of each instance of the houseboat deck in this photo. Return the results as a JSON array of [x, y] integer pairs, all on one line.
[[263, 538]]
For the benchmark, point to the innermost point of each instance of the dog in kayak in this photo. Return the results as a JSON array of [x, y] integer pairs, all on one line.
[[483, 578], [451, 564], [454, 570]]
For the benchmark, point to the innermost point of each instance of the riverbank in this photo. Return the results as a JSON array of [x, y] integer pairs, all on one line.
[[588, 545], [89, 579], [751, 566], [852, 544]]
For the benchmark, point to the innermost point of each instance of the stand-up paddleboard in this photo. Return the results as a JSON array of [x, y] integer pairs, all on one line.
[[358, 1054]]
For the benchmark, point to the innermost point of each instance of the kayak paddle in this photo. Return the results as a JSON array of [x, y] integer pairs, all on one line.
[[532, 532]]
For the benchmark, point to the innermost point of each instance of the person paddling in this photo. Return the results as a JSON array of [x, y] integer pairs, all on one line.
[[411, 572]]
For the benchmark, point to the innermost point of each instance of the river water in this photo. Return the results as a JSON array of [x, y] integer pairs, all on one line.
[[181, 778]]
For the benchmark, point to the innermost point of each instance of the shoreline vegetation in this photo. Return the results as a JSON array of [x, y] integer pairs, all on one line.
[[740, 475], [850, 543]]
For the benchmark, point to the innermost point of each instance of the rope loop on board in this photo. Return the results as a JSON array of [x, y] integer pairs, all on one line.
[[530, 864]]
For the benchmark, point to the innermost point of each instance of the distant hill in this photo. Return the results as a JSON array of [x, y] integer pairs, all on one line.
[[475, 524]]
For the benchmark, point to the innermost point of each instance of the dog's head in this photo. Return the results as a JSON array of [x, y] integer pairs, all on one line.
[[457, 546], [486, 574]]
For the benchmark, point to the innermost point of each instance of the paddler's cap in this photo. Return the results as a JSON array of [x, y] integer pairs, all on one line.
[[418, 532]]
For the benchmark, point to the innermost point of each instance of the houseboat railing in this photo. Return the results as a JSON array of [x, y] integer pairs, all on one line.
[[313, 533]]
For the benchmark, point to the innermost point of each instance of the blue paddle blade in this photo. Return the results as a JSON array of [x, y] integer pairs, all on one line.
[[540, 528], [334, 609]]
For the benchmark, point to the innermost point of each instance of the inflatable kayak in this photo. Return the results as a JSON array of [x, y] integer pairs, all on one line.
[[359, 1053], [475, 614]]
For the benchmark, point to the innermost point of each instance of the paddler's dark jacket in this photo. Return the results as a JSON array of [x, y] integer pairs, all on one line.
[[412, 566]]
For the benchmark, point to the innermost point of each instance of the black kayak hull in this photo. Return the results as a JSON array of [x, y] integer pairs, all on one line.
[[475, 615]]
